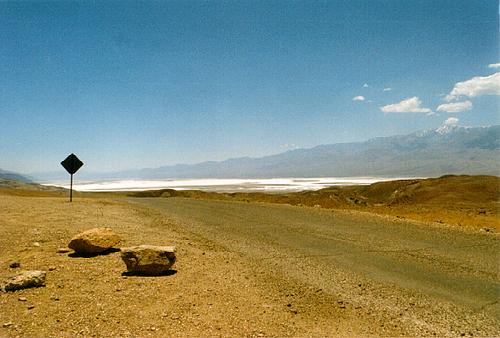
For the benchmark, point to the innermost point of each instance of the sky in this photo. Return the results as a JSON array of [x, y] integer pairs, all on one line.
[[143, 84]]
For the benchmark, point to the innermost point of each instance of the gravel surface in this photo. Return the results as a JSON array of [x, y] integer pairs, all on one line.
[[407, 277], [244, 269]]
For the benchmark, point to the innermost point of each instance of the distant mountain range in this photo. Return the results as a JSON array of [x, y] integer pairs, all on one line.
[[447, 150], [8, 175]]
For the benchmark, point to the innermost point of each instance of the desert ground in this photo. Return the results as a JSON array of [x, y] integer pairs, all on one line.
[[381, 260]]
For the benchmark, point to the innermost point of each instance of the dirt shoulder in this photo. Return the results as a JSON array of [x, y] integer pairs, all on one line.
[[213, 292]]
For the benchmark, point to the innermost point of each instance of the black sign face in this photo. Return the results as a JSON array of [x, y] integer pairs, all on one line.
[[72, 164]]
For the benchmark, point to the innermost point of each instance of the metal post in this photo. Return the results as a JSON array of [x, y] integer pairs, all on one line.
[[71, 190]]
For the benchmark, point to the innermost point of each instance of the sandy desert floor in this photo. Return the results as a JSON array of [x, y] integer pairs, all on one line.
[[218, 287]]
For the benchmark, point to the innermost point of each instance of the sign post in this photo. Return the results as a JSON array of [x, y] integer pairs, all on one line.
[[71, 164]]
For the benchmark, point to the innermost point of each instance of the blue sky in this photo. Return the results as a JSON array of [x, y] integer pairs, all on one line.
[[144, 84]]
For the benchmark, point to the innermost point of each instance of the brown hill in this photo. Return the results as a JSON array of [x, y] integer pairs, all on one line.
[[20, 188], [443, 190]]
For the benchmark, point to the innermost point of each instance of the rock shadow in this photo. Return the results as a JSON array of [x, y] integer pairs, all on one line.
[[90, 255], [167, 273]]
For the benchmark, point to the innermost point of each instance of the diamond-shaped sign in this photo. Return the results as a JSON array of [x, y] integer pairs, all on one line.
[[72, 164]]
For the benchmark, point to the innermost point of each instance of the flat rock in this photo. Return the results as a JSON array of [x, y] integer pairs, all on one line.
[[148, 259], [24, 280], [94, 241]]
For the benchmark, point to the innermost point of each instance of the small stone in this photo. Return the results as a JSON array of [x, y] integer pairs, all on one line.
[[36, 244], [55, 298], [22, 299], [24, 280], [31, 307], [63, 250], [14, 264], [52, 268], [8, 324]]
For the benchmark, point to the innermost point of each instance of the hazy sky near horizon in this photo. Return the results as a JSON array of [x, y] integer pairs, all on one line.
[[127, 84]]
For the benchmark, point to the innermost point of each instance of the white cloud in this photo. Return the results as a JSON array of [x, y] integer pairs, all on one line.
[[477, 86], [358, 98], [388, 89], [411, 105], [366, 85], [455, 107], [494, 65]]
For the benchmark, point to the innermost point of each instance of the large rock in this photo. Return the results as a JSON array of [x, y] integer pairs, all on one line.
[[148, 259], [94, 241], [24, 280]]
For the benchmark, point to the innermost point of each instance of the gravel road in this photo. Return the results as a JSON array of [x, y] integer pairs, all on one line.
[[422, 279]]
